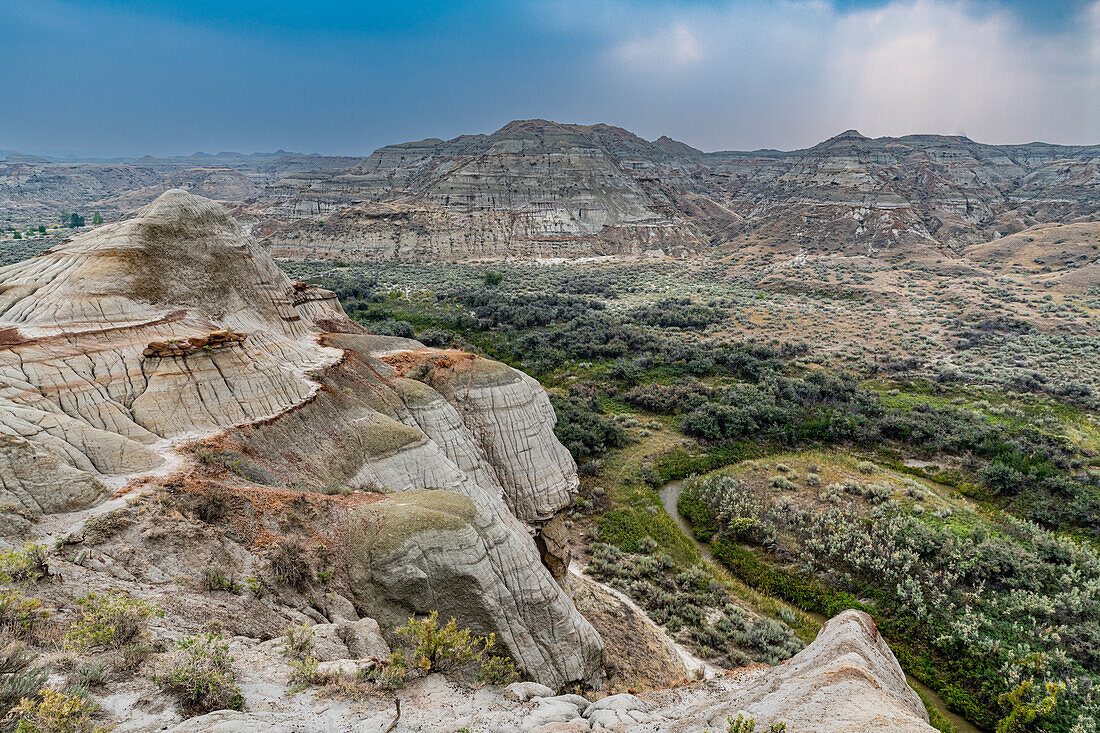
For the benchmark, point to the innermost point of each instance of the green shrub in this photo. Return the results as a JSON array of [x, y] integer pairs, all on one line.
[[802, 590], [26, 564], [448, 647], [781, 483], [213, 579], [303, 673], [18, 679], [1025, 708], [436, 647], [389, 673], [201, 676], [747, 724], [56, 712], [742, 724], [298, 641], [695, 511], [19, 614], [109, 621], [496, 670]]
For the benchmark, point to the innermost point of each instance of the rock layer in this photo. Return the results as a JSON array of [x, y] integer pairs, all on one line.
[[174, 325]]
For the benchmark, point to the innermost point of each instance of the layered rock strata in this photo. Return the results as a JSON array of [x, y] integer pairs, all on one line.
[[174, 325]]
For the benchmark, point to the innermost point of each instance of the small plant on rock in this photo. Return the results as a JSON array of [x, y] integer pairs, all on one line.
[[389, 673], [20, 614], [213, 580], [448, 647], [18, 678], [26, 564], [298, 641], [742, 724], [438, 648]]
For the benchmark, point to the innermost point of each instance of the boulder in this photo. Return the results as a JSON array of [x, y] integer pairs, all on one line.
[[419, 550], [846, 680], [524, 691]]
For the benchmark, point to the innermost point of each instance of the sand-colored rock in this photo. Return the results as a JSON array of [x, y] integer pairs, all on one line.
[[846, 680], [440, 550], [174, 325], [135, 333]]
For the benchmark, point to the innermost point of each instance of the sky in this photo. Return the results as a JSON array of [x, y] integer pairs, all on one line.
[[168, 77]]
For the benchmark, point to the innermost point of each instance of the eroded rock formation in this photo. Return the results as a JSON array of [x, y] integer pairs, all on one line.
[[174, 326], [845, 681]]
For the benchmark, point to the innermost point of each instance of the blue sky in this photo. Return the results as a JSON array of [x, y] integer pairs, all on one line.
[[172, 77]]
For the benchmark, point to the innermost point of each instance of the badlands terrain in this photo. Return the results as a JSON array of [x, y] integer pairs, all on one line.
[[674, 437]]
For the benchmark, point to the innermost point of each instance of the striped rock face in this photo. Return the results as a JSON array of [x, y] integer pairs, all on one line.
[[126, 342]]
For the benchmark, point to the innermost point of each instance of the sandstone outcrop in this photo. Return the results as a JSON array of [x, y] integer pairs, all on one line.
[[540, 189], [533, 188], [846, 680], [174, 326]]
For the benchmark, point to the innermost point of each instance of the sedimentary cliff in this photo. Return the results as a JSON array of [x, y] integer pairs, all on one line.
[[174, 325], [533, 188], [536, 188]]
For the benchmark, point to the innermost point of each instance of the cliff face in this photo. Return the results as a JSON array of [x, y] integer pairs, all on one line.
[[533, 188], [539, 189], [174, 325], [853, 192], [542, 189]]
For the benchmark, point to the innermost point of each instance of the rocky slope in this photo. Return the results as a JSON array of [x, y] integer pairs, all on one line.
[[540, 189], [173, 325], [857, 194], [847, 680], [532, 188], [36, 190]]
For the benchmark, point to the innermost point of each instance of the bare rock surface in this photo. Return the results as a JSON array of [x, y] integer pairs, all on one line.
[[846, 680], [174, 326], [543, 189]]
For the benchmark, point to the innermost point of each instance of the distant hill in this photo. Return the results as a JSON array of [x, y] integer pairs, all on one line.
[[536, 188]]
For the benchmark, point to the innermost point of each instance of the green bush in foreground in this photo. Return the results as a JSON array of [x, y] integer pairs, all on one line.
[[109, 621], [448, 647], [56, 712], [201, 676], [26, 564]]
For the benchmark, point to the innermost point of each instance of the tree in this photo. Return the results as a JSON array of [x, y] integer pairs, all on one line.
[[41, 228], [97, 219], [493, 278], [17, 235], [75, 220]]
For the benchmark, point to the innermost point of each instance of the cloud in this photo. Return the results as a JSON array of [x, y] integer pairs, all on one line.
[[668, 50], [746, 74]]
